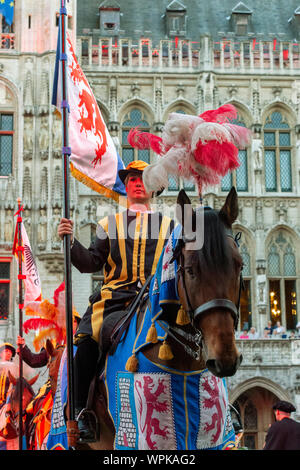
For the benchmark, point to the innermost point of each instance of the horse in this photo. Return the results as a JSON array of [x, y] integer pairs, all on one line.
[[39, 413], [9, 415], [164, 387]]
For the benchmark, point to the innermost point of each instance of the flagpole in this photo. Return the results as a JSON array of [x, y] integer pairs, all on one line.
[[21, 276], [66, 152]]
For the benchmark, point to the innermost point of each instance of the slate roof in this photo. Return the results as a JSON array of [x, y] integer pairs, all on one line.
[[269, 18]]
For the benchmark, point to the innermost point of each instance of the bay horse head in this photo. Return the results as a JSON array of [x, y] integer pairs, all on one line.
[[209, 281], [13, 398]]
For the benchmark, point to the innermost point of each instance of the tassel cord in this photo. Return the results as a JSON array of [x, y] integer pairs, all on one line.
[[196, 339]]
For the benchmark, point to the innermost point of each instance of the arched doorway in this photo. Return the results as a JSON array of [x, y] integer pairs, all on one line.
[[255, 408]]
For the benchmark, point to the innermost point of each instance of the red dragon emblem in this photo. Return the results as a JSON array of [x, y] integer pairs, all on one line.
[[150, 409], [211, 387], [90, 118]]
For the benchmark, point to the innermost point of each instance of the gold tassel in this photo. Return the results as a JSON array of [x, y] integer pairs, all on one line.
[[152, 334], [132, 364], [165, 352], [182, 317]]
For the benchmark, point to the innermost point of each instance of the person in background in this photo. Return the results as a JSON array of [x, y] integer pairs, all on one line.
[[41, 358], [279, 330], [253, 334], [284, 434], [266, 334], [7, 353], [244, 335], [269, 328]]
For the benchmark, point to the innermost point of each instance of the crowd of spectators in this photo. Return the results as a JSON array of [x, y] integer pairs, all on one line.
[[270, 331]]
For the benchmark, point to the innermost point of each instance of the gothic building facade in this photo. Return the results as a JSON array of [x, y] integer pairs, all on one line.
[[142, 64]]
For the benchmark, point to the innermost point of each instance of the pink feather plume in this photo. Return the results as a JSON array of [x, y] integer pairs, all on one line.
[[203, 148], [219, 157], [37, 324], [223, 114], [145, 140], [57, 291]]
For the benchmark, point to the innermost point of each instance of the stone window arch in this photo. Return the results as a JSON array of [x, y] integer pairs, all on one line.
[[277, 141], [239, 177], [282, 278], [133, 118], [175, 184]]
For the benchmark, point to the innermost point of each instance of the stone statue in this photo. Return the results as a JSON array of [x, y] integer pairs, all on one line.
[[27, 223], [56, 242], [42, 227], [257, 153], [44, 137], [9, 227], [28, 141], [56, 135]]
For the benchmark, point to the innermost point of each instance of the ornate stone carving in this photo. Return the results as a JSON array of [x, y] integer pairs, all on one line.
[[42, 229], [54, 263], [44, 138], [56, 241], [28, 137], [27, 188], [281, 212], [56, 136], [9, 226]]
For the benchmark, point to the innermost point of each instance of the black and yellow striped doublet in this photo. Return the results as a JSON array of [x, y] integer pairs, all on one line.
[[4, 386], [128, 246]]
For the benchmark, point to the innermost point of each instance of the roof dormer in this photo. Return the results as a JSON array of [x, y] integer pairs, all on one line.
[[241, 19], [176, 19], [294, 21], [109, 12]]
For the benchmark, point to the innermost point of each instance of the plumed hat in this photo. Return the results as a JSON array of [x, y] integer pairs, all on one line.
[[284, 406], [136, 166], [8, 346], [202, 148]]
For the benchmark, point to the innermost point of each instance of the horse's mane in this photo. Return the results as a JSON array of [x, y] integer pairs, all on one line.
[[16, 390], [215, 253]]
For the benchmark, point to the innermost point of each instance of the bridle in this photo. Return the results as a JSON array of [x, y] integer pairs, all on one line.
[[225, 304], [211, 304], [195, 312]]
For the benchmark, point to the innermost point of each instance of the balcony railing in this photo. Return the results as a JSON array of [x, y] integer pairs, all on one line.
[[224, 55], [269, 352]]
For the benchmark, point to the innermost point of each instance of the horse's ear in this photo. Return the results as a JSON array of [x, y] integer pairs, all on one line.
[[184, 210], [12, 379], [230, 210], [34, 379], [49, 347]]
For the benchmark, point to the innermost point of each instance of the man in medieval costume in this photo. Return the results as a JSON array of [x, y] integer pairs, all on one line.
[[7, 353], [127, 246]]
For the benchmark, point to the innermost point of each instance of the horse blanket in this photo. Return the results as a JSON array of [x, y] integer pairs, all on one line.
[[38, 414], [158, 407], [58, 439]]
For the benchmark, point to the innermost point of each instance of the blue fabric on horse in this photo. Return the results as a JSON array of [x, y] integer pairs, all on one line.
[[162, 293], [161, 408], [158, 407], [58, 439]]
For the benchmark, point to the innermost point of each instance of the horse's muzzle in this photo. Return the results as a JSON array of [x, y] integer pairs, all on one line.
[[221, 369]]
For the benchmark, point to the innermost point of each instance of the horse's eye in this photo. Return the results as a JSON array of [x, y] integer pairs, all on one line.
[[190, 271]]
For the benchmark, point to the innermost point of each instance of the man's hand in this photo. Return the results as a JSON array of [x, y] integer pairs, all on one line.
[[65, 228], [20, 343]]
